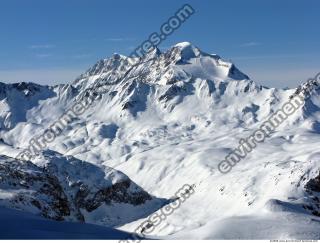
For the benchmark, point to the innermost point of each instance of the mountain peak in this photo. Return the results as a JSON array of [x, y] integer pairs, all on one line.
[[188, 50], [183, 44], [153, 53], [117, 56]]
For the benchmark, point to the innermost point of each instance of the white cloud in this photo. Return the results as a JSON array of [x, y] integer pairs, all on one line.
[[44, 46], [250, 44], [276, 56], [119, 39]]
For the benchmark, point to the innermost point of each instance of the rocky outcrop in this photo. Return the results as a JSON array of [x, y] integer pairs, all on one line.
[[28, 187], [63, 187], [313, 189], [314, 184]]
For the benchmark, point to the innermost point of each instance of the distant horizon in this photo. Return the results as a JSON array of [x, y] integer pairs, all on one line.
[[274, 42]]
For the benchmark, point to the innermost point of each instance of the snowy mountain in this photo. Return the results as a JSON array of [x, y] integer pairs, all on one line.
[[157, 123]]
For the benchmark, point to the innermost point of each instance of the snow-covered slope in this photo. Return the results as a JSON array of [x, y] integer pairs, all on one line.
[[20, 225], [168, 119]]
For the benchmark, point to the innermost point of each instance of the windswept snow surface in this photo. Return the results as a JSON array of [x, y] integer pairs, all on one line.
[[169, 120]]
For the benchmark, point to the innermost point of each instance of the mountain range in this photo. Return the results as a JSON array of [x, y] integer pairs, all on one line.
[[166, 121]]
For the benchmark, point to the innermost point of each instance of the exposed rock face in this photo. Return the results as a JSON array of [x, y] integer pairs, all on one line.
[[314, 184], [63, 187], [32, 188], [313, 188]]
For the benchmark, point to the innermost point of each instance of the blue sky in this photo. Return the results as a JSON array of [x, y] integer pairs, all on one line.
[[275, 42]]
